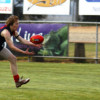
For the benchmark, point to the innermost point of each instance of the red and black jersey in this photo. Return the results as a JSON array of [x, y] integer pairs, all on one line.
[[2, 39]]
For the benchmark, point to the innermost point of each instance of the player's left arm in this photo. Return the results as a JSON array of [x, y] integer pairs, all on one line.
[[23, 41]]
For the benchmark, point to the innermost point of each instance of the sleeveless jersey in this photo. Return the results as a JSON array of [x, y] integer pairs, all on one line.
[[2, 39]]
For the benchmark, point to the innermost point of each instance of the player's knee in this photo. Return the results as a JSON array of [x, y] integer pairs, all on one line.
[[12, 59]]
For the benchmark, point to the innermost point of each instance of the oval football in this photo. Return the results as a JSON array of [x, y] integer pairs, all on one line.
[[37, 39]]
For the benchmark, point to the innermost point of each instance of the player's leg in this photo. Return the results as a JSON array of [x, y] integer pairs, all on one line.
[[13, 66], [5, 53]]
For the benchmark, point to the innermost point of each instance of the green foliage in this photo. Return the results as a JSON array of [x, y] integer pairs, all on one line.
[[63, 33], [55, 43]]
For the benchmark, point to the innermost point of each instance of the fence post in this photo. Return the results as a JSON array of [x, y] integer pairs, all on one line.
[[96, 60]]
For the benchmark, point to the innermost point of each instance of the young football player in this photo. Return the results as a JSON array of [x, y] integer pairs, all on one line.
[[6, 32]]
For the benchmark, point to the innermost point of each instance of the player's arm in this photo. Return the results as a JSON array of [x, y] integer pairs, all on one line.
[[23, 41], [7, 37]]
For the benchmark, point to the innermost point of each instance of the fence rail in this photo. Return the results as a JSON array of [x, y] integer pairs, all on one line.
[[63, 22]]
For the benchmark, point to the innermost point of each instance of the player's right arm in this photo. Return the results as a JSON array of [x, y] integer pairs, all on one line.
[[5, 33]]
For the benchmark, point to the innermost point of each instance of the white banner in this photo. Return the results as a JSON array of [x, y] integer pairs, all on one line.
[[89, 7], [6, 6], [54, 7]]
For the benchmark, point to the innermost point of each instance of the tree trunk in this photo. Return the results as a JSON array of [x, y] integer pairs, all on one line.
[[79, 52]]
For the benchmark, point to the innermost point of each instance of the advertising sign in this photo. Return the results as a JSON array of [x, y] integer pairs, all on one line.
[[93, 0], [55, 7], [55, 38], [6, 6], [89, 7]]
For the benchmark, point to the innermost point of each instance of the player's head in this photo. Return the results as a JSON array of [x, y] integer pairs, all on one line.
[[13, 22]]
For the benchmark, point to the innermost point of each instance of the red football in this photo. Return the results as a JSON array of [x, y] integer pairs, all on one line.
[[37, 39]]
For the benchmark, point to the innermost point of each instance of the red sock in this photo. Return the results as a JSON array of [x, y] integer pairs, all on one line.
[[16, 78]]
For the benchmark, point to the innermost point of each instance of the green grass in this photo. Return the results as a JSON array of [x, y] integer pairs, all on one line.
[[90, 49], [51, 81]]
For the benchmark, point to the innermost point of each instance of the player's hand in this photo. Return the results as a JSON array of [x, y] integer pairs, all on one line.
[[38, 45], [28, 53]]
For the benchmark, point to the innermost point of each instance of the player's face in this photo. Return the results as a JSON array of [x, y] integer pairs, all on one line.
[[15, 25]]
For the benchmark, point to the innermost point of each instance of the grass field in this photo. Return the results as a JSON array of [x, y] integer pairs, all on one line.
[[90, 49], [52, 81]]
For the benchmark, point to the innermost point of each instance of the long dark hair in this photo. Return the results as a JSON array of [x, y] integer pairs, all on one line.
[[11, 20]]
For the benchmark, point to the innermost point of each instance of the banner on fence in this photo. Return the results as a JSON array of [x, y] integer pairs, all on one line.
[[55, 7], [55, 39], [89, 7], [6, 6]]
